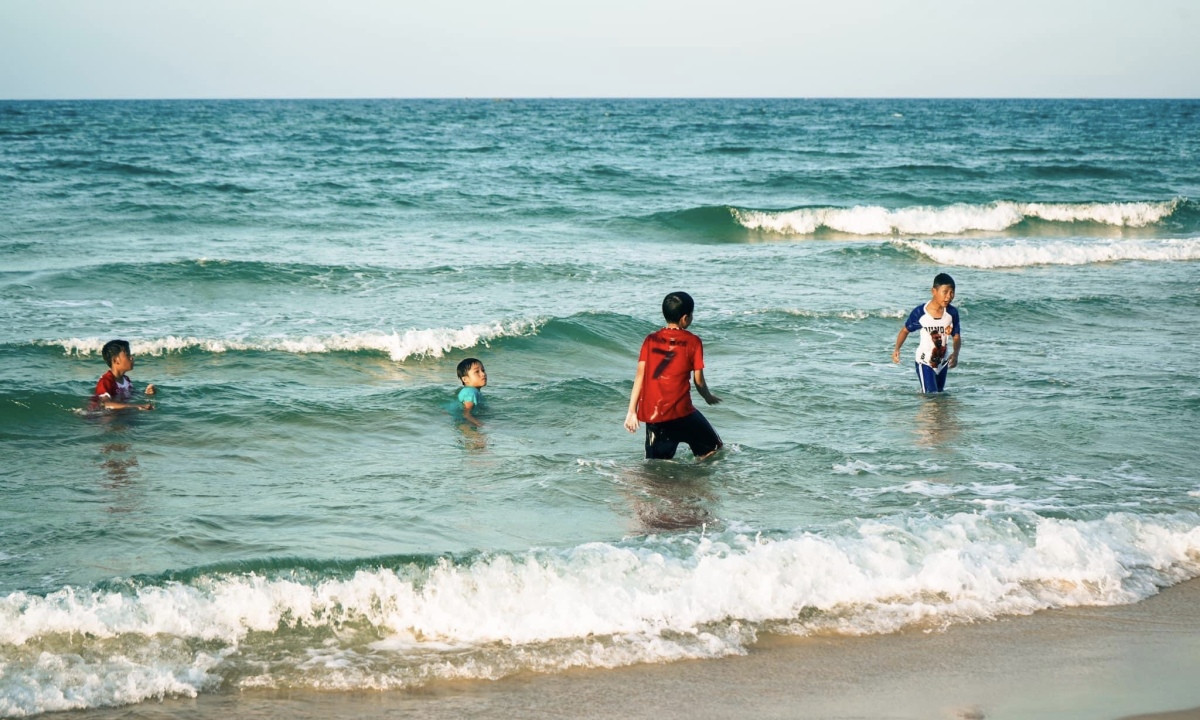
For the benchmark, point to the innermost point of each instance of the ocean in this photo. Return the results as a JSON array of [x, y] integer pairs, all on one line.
[[303, 510]]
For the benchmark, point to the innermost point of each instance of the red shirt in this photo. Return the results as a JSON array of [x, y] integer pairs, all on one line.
[[109, 388], [670, 355]]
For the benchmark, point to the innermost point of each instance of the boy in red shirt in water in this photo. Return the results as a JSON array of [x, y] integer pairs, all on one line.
[[114, 389], [661, 395]]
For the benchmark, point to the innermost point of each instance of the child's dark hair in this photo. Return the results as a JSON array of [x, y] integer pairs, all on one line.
[[943, 279], [465, 366], [112, 349], [676, 305]]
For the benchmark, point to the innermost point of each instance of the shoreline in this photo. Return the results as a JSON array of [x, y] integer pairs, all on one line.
[[1137, 662]]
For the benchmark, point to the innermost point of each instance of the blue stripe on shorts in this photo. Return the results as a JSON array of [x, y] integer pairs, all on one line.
[[932, 381]]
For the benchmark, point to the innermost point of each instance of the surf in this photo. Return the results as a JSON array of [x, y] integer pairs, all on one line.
[[405, 621], [995, 217], [1029, 253], [593, 331], [398, 345]]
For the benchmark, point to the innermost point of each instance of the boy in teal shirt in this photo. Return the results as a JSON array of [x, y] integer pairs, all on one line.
[[473, 377]]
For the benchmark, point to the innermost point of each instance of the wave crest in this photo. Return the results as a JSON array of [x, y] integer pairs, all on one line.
[[1024, 253], [870, 220], [594, 605], [399, 346]]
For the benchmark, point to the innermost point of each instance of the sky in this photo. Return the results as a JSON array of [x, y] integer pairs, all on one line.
[[58, 49]]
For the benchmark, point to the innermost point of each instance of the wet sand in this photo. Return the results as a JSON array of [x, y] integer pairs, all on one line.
[[1139, 660]]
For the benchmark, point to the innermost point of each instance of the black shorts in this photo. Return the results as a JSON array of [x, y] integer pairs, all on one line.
[[663, 438]]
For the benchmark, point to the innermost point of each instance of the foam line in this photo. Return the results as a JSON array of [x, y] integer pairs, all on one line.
[[1025, 253], [399, 346], [870, 220], [594, 605]]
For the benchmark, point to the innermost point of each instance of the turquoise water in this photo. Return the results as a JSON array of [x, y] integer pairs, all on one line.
[[299, 279]]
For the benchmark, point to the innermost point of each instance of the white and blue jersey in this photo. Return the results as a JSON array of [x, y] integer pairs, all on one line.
[[936, 334]]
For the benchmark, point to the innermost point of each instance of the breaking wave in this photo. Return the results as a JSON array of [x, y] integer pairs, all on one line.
[[398, 345], [1024, 253], [869, 220], [403, 622]]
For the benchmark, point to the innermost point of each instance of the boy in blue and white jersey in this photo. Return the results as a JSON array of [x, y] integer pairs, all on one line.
[[937, 321]]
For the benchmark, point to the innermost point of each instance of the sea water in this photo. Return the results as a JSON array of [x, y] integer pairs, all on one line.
[[299, 279]]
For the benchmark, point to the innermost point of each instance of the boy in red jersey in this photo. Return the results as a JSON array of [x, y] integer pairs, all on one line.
[[114, 389], [661, 395]]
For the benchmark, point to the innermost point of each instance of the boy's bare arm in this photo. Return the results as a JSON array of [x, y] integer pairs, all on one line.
[[467, 408], [112, 405], [900, 338], [702, 388], [631, 421], [954, 353]]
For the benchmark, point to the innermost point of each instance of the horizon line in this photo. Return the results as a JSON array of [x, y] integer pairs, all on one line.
[[508, 98]]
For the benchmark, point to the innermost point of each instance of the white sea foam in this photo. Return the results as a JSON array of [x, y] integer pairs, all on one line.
[[990, 465], [50, 682], [596, 605], [1024, 253], [398, 346], [951, 219], [840, 314], [855, 467], [928, 489]]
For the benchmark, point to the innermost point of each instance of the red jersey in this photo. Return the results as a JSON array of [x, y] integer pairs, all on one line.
[[108, 387], [670, 355]]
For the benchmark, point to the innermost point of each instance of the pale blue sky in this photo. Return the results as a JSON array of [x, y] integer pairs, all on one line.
[[599, 48]]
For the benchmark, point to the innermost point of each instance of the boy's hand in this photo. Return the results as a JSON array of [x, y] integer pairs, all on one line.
[[711, 399], [896, 355], [147, 406], [631, 422]]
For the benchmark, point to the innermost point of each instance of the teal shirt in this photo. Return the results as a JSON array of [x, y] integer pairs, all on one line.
[[470, 395]]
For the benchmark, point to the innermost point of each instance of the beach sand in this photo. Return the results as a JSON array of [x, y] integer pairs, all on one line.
[[1141, 659]]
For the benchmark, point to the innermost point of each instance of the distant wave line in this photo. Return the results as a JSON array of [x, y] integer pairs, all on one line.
[[1024, 253], [398, 345], [873, 220]]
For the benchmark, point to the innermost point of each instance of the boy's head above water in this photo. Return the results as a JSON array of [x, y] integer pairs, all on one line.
[[472, 374], [943, 290], [113, 349], [117, 356], [677, 305]]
